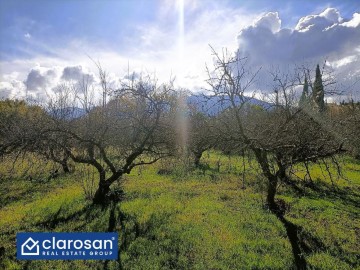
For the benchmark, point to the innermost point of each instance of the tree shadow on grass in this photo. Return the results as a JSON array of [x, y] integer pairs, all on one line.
[[303, 243], [320, 190], [55, 219], [346, 196], [112, 223], [292, 232]]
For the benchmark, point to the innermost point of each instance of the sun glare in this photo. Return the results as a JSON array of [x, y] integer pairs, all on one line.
[[180, 42]]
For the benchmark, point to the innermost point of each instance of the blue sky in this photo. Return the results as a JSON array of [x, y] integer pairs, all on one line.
[[115, 24], [105, 22], [40, 37]]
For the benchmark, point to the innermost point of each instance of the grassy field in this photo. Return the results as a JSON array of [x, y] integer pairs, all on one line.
[[202, 219]]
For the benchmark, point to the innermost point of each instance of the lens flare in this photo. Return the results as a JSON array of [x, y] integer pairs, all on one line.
[[182, 120]]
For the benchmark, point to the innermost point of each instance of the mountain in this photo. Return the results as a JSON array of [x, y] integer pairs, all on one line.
[[214, 105], [68, 113]]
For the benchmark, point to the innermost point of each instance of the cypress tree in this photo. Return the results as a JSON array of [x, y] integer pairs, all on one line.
[[318, 91], [304, 99]]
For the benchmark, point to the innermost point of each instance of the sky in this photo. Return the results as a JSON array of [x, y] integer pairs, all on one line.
[[46, 43]]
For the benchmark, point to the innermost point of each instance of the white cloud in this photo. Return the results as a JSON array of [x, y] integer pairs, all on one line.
[[354, 22], [344, 61], [77, 73], [327, 18], [315, 38], [168, 53], [13, 89], [157, 47], [11, 86], [41, 81], [41, 78], [5, 90], [269, 21]]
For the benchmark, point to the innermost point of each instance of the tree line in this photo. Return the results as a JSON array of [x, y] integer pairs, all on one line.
[[138, 124]]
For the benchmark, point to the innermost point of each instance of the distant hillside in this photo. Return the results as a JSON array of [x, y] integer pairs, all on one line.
[[68, 113], [210, 106], [214, 105]]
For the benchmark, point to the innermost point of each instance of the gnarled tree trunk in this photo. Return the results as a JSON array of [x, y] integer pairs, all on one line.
[[101, 194], [197, 157], [262, 159], [103, 189], [65, 166], [271, 192]]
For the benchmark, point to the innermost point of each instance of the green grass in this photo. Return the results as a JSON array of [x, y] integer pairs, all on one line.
[[199, 219]]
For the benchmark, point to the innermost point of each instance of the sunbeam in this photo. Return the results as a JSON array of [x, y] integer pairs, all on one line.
[[182, 121], [180, 42]]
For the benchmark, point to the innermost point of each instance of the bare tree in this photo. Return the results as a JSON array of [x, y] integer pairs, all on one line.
[[19, 126], [347, 115], [279, 137], [129, 131], [201, 136]]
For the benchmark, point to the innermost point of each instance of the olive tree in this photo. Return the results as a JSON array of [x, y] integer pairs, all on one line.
[[128, 131], [279, 137], [20, 127], [201, 135], [348, 117]]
